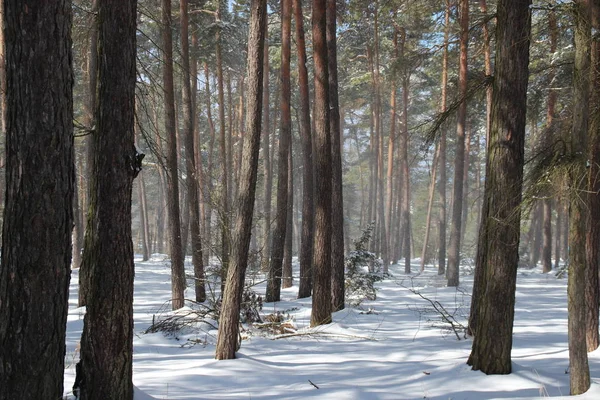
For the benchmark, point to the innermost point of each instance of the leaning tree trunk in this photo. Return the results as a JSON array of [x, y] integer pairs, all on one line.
[[227, 340], [38, 220], [285, 133], [108, 251], [337, 217], [501, 216], [459, 160], [321, 304]]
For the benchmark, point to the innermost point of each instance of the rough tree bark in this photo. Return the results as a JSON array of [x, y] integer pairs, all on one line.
[[501, 216], [227, 340], [36, 240], [337, 217], [321, 304], [593, 190], [578, 215], [107, 339]]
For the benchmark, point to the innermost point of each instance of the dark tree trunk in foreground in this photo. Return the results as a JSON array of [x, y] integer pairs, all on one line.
[[578, 207], [321, 304], [504, 179], [308, 204], [459, 160], [337, 217], [190, 158], [38, 216], [175, 246], [107, 340], [285, 133], [593, 232], [227, 340]]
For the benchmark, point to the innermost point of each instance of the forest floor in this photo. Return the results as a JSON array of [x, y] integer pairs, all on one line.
[[394, 347]]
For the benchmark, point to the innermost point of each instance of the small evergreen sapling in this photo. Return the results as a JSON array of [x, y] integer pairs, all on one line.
[[362, 271]]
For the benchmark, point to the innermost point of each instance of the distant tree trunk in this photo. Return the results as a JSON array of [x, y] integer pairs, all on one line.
[[208, 189], [177, 268], [144, 226], [459, 160], [90, 105], [285, 133], [227, 339], [190, 157], [552, 96], [225, 167], [404, 142], [578, 214], [488, 70], [108, 252], [308, 205], [557, 234], [442, 158], [379, 211], [501, 216], [321, 304], [268, 176], [390, 161], [38, 220], [337, 217], [429, 208], [593, 190], [286, 276]]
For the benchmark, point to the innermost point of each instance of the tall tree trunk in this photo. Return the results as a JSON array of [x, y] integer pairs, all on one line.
[[390, 161], [191, 179], [488, 70], [144, 225], [286, 276], [308, 205], [459, 160], [225, 168], [552, 96], [90, 105], [337, 217], [593, 189], [227, 339], [108, 251], [321, 304], [405, 225], [285, 133], [501, 216], [177, 267], [442, 158], [578, 214], [208, 189], [268, 176], [38, 220]]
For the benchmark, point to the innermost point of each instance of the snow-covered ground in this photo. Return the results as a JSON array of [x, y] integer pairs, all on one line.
[[389, 348]]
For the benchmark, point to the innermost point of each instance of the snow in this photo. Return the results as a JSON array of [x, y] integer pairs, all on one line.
[[389, 348]]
